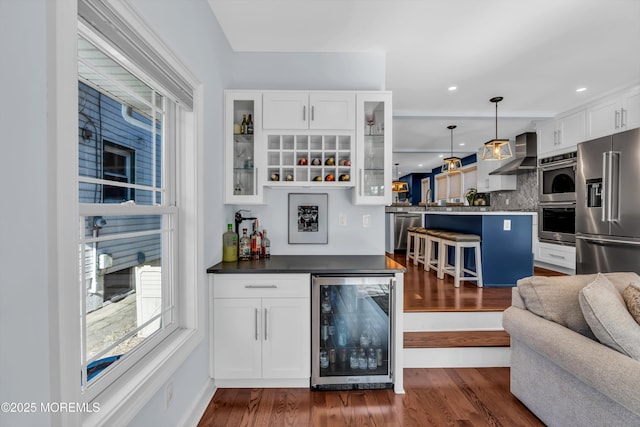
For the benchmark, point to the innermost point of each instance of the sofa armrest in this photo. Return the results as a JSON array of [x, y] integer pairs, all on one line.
[[610, 372]]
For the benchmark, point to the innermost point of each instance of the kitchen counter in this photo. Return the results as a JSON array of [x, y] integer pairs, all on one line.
[[507, 243], [313, 264], [471, 210]]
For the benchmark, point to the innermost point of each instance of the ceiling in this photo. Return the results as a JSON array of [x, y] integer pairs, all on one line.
[[535, 54]]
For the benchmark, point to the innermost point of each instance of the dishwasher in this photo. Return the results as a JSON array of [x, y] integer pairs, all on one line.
[[402, 221]]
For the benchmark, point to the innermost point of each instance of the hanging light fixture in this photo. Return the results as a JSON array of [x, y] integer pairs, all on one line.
[[496, 149], [452, 164], [398, 186]]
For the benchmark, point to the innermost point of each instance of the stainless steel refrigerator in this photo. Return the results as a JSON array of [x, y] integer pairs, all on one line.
[[608, 204]]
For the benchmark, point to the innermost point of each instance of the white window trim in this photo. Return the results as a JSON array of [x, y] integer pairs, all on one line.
[[121, 402]]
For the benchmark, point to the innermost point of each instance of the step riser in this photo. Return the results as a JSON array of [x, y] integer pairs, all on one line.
[[469, 357], [453, 321]]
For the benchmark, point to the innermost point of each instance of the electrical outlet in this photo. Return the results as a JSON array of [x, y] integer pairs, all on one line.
[[168, 394], [342, 219], [506, 202], [506, 225]]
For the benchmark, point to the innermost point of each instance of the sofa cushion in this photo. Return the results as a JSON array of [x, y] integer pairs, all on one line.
[[606, 313], [556, 299], [631, 296]]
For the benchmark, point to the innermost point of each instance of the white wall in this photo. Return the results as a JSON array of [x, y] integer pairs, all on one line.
[[24, 254]]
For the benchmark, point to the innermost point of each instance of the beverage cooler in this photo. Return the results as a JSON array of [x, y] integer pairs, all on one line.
[[351, 335]]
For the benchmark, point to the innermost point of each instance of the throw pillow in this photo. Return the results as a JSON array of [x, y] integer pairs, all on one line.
[[606, 313], [631, 296], [556, 299]]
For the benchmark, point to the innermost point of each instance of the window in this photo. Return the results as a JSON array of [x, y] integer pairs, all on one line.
[[128, 219], [453, 187], [117, 165]]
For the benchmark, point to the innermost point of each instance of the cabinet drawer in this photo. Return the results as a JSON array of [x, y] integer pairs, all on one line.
[[261, 286], [564, 256]]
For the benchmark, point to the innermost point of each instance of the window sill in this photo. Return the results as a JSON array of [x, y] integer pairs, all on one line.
[[122, 401]]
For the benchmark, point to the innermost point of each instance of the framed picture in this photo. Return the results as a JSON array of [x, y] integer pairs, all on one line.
[[308, 218]]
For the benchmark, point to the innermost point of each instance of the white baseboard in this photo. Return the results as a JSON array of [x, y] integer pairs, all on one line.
[[192, 417], [460, 357]]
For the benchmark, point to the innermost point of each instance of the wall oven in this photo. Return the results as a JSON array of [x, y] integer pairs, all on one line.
[[557, 178], [557, 223]]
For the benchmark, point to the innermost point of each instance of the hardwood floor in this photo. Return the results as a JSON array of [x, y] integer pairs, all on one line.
[[424, 292], [434, 397]]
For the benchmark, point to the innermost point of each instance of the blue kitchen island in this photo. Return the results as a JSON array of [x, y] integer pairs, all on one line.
[[507, 241]]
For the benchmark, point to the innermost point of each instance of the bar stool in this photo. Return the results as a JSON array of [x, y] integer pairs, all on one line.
[[460, 242], [420, 247], [433, 250], [411, 237]]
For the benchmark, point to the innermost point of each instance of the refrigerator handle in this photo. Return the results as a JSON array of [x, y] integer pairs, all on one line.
[[605, 187], [392, 327], [614, 190]]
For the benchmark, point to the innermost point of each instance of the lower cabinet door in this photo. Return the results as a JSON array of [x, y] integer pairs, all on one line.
[[286, 341], [237, 338]]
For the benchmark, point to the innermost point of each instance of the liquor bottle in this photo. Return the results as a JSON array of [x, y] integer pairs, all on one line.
[[229, 245], [250, 125], [266, 245], [256, 242], [324, 330], [244, 124], [245, 246]]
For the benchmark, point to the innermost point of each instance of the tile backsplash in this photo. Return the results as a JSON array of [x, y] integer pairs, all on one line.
[[525, 197]]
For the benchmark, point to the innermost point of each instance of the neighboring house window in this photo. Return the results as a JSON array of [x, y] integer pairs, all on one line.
[[117, 165]]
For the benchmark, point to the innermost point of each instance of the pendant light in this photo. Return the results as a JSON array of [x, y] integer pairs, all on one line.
[[398, 186], [452, 164], [496, 149]]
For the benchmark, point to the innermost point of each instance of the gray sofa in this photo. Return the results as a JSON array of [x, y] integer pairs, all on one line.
[[559, 370]]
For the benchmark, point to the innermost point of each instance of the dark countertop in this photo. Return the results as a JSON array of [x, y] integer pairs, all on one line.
[[314, 264]]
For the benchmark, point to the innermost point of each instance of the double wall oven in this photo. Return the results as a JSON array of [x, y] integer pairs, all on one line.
[[557, 210]]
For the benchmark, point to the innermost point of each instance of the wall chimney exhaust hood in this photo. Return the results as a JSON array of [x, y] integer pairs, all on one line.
[[526, 158]]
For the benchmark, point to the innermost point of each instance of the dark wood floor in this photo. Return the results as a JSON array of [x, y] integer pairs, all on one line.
[[434, 397]]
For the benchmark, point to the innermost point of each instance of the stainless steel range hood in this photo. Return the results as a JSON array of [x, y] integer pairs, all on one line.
[[526, 156]]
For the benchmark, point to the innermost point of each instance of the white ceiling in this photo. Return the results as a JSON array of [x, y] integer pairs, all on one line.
[[533, 53]]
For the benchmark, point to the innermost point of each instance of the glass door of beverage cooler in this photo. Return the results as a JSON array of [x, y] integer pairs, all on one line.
[[351, 332]]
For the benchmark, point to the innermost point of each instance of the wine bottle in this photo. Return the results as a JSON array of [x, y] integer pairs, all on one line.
[[256, 242], [250, 125], [244, 124]]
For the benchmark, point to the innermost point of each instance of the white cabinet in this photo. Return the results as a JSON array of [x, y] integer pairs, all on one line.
[[486, 182], [562, 134], [309, 110], [373, 149], [244, 155], [615, 114], [261, 330], [559, 255]]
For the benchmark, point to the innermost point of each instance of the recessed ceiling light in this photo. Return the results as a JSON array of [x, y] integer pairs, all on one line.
[[581, 89], [420, 165], [462, 144], [441, 155], [452, 88]]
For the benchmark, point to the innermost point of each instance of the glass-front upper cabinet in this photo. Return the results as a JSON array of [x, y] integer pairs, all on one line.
[[373, 149], [243, 155]]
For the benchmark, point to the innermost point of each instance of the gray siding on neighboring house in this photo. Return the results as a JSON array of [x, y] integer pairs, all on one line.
[[101, 122]]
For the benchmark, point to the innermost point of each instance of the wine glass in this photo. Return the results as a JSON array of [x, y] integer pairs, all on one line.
[[370, 119]]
